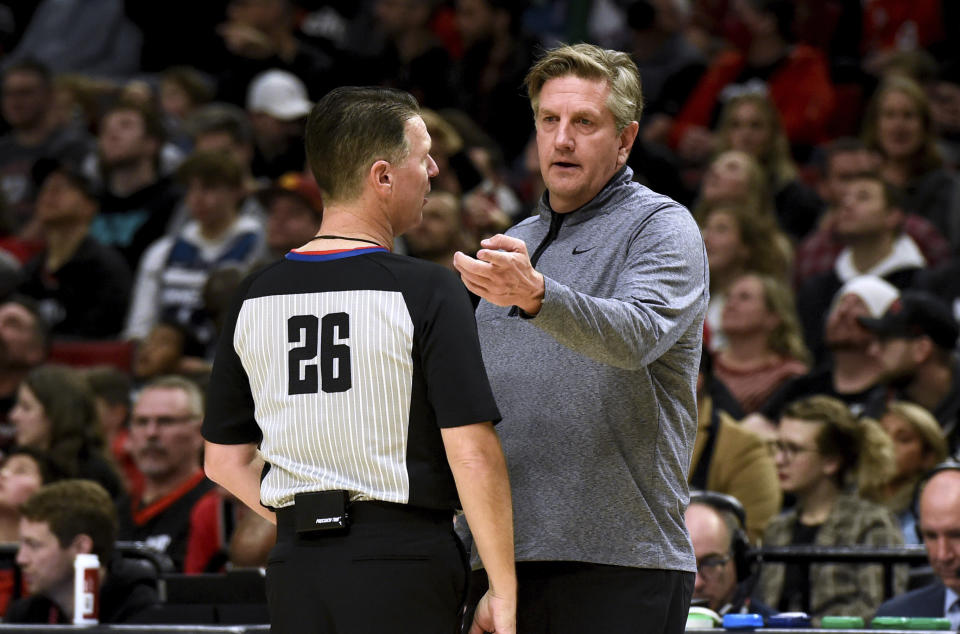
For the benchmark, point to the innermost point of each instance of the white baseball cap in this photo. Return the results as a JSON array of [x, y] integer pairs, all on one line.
[[279, 94]]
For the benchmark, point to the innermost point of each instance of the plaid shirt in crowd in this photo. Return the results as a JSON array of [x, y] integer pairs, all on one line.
[[838, 589]]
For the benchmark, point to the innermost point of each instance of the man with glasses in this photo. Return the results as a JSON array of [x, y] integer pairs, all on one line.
[[166, 445], [723, 581]]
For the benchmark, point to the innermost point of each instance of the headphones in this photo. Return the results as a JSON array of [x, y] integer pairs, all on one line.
[[739, 543], [948, 465]]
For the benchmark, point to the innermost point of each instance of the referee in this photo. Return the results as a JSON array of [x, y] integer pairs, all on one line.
[[349, 404]]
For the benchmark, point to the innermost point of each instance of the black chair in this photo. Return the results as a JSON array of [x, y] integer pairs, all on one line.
[[237, 597], [242, 585]]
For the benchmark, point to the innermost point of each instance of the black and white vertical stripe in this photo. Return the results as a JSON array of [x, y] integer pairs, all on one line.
[[354, 440]]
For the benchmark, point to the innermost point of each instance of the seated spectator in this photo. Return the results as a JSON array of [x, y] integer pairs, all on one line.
[[844, 160], [440, 233], [165, 443], [294, 210], [898, 125], [479, 170], [59, 522], [945, 111], [112, 390], [891, 27], [91, 37], [221, 127], [832, 463], [169, 348], [277, 105], [215, 521], [938, 515], [764, 345], [869, 221], [853, 374], [918, 444], [183, 90], [724, 575], [55, 412], [496, 57], [138, 195], [23, 346], [734, 179], [22, 471], [259, 36], [171, 278], [82, 287], [795, 76], [407, 53], [737, 241], [729, 459], [27, 102], [750, 123], [917, 351], [669, 61]]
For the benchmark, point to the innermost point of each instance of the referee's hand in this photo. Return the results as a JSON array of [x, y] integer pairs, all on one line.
[[495, 614]]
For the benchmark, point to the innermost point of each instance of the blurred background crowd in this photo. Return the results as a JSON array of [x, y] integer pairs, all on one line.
[[151, 157]]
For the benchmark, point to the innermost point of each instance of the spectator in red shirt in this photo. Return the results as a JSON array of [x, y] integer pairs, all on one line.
[[794, 75]]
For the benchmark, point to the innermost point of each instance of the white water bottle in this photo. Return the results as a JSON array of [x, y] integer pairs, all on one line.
[[86, 590]]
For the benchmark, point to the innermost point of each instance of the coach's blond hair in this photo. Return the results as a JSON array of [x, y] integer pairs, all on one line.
[[587, 61]]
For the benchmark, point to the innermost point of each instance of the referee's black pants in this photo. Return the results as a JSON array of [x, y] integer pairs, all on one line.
[[397, 570], [568, 597]]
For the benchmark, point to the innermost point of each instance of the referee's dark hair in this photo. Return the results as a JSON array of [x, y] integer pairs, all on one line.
[[352, 127]]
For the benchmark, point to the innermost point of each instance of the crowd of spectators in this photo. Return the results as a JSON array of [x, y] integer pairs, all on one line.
[[151, 157]]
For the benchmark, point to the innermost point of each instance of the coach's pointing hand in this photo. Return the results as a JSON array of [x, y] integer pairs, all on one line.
[[502, 274]]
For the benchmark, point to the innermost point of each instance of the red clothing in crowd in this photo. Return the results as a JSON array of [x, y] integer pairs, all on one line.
[[128, 469], [212, 520], [800, 88], [900, 25], [753, 387]]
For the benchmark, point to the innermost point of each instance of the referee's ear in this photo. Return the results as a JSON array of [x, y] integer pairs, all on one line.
[[381, 178]]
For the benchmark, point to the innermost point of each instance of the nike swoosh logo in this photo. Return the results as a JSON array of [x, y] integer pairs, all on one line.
[[578, 252]]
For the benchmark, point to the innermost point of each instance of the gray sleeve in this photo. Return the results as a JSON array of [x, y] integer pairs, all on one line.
[[660, 292]]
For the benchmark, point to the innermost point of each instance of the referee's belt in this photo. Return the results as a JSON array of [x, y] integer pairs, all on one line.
[[370, 512]]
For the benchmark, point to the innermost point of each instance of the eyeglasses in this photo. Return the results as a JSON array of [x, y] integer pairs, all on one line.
[[162, 421], [711, 566], [789, 449]]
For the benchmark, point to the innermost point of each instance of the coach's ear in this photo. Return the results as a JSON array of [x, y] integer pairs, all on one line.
[[627, 136]]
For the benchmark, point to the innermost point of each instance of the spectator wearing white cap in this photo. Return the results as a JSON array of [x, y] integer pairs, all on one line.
[[853, 374], [277, 104]]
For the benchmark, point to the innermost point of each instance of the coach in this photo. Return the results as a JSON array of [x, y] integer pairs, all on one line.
[[592, 345]]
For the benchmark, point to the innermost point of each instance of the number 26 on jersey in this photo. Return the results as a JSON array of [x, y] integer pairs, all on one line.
[[318, 338]]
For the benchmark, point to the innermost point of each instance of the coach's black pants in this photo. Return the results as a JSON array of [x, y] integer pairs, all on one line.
[[397, 570], [561, 597]]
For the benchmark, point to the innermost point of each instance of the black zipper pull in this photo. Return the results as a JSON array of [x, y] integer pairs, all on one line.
[[555, 221]]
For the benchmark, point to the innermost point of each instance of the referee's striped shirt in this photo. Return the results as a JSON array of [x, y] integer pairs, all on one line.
[[343, 366]]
